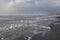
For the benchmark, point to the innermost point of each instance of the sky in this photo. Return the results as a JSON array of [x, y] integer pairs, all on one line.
[[29, 7]]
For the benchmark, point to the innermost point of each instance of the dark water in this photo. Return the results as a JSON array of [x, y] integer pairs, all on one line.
[[36, 27]]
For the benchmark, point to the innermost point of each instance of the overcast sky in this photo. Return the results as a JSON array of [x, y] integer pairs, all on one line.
[[18, 7]]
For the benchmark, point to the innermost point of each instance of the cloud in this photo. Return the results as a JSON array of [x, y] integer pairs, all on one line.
[[13, 7]]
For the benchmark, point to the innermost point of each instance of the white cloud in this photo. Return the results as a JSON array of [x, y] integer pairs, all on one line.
[[29, 6], [57, 3]]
